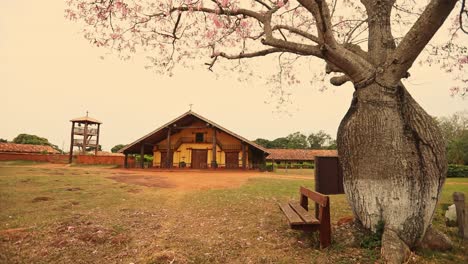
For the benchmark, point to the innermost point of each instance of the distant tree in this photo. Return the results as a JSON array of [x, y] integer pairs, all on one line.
[[262, 142], [319, 140], [297, 140], [280, 143], [457, 150], [455, 133], [33, 140], [3, 140], [453, 126], [118, 147], [331, 144]]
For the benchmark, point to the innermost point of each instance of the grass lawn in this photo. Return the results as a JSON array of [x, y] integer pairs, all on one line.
[[79, 215], [304, 172]]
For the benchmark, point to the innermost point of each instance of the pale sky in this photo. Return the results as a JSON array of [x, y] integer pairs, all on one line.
[[49, 74]]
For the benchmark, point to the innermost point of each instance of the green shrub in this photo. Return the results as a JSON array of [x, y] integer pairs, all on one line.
[[373, 240], [269, 167], [455, 170]]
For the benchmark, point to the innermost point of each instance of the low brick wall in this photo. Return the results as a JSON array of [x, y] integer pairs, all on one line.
[[92, 160], [52, 158]]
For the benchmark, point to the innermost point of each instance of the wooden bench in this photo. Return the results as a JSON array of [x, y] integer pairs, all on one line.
[[300, 218]]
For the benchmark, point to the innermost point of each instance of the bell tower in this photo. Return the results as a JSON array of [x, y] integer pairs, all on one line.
[[84, 134]]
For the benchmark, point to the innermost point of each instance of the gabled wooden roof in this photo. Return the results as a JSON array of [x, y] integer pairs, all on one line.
[[185, 119]]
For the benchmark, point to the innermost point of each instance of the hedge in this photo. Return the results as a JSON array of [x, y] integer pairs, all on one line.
[[455, 170]]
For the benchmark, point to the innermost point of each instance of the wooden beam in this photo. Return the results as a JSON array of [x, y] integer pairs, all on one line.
[[194, 127], [142, 156], [70, 155], [214, 163], [462, 222], [168, 157], [244, 156], [97, 140], [85, 138], [126, 161]]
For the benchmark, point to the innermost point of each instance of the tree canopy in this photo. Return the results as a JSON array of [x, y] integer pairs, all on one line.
[[295, 32], [297, 140], [116, 148], [33, 140], [455, 131]]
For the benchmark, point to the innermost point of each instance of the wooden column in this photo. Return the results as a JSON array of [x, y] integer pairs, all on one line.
[[70, 155], [243, 156], [142, 155], [85, 138], [214, 163], [97, 140], [126, 161], [169, 157], [462, 221]]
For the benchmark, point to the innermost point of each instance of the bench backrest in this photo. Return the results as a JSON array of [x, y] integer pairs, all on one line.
[[319, 198], [323, 202]]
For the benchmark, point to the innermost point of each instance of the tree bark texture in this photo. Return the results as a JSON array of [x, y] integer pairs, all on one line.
[[393, 160]]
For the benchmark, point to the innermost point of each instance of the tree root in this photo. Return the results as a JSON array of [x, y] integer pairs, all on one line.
[[394, 250], [435, 240]]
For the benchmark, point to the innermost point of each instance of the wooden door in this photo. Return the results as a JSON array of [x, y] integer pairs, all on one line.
[[232, 160], [199, 158], [164, 160]]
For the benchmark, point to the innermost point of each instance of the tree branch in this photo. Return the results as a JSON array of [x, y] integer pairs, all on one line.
[[320, 11], [339, 80], [236, 12], [298, 32], [251, 54], [416, 39]]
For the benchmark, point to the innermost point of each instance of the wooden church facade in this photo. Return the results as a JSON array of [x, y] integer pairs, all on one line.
[[192, 141]]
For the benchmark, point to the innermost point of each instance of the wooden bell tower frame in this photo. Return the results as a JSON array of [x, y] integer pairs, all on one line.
[[83, 131]]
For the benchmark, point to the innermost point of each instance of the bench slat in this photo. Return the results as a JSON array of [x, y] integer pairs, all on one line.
[[293, 218], [307, 216], [315, 196]]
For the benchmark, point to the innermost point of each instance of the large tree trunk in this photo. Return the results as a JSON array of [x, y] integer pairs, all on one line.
[[393, 160]]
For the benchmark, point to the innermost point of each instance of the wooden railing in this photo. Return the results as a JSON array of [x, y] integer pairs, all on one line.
[[80, 131], [80, 142]]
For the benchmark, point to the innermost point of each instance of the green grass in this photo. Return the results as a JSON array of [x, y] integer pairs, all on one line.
[[84, 217], [303, 172]]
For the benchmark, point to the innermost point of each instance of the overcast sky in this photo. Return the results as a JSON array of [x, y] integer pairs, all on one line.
[[49, 74]]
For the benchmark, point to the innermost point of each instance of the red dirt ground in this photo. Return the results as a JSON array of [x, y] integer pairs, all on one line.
[[180, 179]]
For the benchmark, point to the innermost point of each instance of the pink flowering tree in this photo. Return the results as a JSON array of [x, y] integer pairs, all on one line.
[[391, 151]]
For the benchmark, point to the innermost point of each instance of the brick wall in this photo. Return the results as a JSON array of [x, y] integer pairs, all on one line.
[[52, 158], [91, 159]]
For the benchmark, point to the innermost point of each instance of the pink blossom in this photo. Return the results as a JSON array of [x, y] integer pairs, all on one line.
[[217, 23], [200, 5], [210, 34], [244, 24], [224, 3], [115, 35], [463, 60], [280, 3]]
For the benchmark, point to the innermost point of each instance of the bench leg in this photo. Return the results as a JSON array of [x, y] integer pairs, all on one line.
[[325, 227]]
